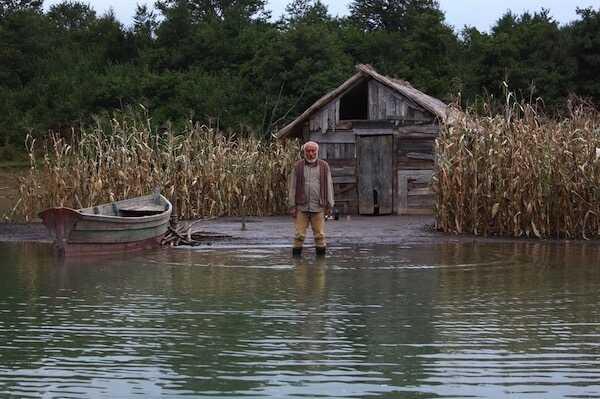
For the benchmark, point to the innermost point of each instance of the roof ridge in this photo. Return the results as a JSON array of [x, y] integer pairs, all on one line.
[[402, 82], [431, 104]]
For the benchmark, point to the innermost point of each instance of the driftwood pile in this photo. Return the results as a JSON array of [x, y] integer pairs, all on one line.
[[183, 234]]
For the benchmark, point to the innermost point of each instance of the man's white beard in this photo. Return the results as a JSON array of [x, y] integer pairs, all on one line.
[[313, 160]]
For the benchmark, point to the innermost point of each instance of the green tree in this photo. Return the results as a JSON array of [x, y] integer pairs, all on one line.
[[408, 39], [389, 15], [528, 52], [8, 7], [306, 12], [218, 38], [470, 63], [26, 45], [208, 10], [144, 25], [72, 16], [296, 63], [584, 37]]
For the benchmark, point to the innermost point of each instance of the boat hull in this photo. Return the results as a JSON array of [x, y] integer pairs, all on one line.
[[79, 232]]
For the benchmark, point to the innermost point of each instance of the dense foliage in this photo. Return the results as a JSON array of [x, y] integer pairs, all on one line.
[[230, 65]]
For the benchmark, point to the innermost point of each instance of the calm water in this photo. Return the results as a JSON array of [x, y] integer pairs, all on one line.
[[460, 320]]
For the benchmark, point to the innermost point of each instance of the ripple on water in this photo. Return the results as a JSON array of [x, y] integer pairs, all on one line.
[[446, 321]]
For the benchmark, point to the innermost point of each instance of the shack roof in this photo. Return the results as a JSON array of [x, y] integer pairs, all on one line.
[[431, 104]]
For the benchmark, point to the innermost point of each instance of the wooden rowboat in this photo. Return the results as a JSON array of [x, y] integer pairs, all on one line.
[[127, 225]]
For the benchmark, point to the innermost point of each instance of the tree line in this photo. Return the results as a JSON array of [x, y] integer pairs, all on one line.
[[227, 63]]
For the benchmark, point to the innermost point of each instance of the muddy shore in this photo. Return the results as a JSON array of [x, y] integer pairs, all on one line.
[[279, 230]]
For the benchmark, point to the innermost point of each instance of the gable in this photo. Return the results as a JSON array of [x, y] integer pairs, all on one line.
[[367, 100], [387, 100]]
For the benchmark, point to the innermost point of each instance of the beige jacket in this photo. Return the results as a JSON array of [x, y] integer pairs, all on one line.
[[312, 186]]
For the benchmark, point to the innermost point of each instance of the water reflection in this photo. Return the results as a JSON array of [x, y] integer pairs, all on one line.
[[454, 320]]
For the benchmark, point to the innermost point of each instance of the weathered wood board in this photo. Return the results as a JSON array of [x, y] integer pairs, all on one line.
[[385, 103], [343, 173], [415, 195], [331, 151], [375, 174], [326, 118], [415, 153]]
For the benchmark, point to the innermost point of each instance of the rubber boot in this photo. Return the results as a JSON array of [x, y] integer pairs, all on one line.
[[297, 252], [321, 251]]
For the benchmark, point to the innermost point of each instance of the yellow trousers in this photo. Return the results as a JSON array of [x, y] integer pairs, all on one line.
[[316, 221]]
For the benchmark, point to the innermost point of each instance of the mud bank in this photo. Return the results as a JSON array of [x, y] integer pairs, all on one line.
[[279, 230], [23, 232], [347, 230]]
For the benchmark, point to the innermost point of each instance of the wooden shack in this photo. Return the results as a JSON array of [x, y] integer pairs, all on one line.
[[378, 135]]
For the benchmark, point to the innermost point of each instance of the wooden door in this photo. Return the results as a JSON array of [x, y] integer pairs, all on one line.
[[374, 154]]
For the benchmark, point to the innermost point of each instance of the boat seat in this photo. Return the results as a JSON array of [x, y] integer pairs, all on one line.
[[144, 208]]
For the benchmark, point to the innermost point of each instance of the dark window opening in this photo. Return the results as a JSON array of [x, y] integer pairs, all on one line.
[[354, 104]]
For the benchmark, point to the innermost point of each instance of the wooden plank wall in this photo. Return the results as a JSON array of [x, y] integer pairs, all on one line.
[[414, 147], [326, 118], [415, 158], [342, 161], [415, 195], [386, 104], [336, 151], [413, 153]]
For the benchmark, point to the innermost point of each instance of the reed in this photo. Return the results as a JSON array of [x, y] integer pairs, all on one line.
[[520, 174], [204, 172]]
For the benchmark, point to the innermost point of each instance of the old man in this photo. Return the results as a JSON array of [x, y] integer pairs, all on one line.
[[310, 197]]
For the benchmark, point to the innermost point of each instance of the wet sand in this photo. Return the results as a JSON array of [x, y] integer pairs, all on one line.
[[23, 232], [347, 230], [279, 230]]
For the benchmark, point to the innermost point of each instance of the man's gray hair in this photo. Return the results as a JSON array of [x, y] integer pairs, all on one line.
[[310, 144]]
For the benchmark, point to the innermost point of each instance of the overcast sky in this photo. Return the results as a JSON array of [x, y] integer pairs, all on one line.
[[479, 13]]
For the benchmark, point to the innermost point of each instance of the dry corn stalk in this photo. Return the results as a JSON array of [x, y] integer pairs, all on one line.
[[520, 174], [205, 172]]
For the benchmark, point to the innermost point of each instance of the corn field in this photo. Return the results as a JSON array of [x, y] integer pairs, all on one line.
[[204, 173], [520, 174]]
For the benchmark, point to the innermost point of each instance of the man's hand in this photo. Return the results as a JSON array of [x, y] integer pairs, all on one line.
[[328, 211], [293, 212]]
